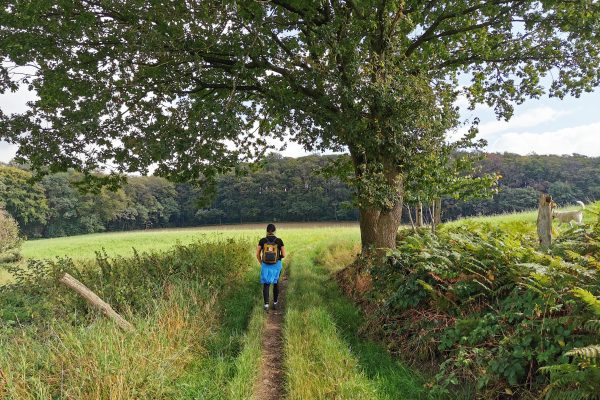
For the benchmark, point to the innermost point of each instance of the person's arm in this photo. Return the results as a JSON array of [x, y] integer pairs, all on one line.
[[258, 257], [282, 251]]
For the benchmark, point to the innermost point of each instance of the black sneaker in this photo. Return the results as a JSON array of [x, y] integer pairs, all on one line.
[[275, 306], [266, 308]]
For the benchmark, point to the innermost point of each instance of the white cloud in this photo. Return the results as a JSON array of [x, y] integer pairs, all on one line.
[[582, 139], [16, 102], [7, 151], [523, 119], [11, 103]]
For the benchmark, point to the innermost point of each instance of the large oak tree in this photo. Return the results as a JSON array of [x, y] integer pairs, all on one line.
[[194, 86]]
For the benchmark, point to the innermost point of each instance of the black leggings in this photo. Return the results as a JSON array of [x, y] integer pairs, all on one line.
[[266, 292]]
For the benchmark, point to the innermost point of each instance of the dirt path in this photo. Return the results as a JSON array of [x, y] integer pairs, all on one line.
[[271, 379]]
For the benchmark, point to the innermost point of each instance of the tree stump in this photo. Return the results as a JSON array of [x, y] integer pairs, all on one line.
[[544, 220], [95, 301]]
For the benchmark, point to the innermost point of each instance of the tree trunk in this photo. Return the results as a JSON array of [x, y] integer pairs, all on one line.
[[437, 211], [419, 215], [378, 228], [412, 223], [378, 224]]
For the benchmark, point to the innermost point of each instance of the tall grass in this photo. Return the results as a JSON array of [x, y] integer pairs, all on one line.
[[171, 298], [99, 362], [231, 361]]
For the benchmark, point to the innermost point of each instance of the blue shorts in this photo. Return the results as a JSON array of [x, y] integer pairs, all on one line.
[[269, 273]]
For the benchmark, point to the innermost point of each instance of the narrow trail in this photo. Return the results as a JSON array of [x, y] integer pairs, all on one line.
[[310, 346], [271, 378]]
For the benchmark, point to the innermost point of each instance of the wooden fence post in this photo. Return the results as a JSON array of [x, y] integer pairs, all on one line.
[[544, 220], [95, 301]]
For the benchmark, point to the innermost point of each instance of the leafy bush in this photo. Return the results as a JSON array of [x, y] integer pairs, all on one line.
[[579, 377], [481, 304], [9, 239]]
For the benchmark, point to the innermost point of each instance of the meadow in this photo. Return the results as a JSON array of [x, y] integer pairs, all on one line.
[[198, 316], [220, 358]]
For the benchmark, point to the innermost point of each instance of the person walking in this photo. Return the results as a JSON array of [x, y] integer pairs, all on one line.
[[269, 253]]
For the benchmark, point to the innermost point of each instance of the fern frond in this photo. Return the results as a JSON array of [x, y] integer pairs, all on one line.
[[588, 298], [560, 368], [593, 325], [591, 353]]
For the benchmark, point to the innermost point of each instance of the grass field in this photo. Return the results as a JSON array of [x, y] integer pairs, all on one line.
[[321, 338], [123, 243], [324, 355]]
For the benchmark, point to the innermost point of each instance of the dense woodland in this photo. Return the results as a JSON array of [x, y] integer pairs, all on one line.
[[282, 189]]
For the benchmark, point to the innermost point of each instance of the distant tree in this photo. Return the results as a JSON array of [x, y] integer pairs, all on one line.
[[152, 199], [9, 238], [192, 87], [73, 212], [564, 193], [24, 200], [210, 216]]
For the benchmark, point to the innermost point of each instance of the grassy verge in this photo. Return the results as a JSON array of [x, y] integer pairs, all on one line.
[[97, 361], [391, 377], [52, 346], [325, 358], [229, 367]]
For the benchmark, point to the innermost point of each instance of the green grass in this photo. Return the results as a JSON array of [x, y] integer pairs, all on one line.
[[526, 216], [524, 222], [123, 243], [325, 357], [190, 306], [229, 368], [97, 361]]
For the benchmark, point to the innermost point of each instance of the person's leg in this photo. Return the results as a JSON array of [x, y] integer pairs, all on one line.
[[266, 293], [275, 293]]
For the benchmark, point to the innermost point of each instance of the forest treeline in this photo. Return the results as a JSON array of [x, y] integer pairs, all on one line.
[[282, 189]]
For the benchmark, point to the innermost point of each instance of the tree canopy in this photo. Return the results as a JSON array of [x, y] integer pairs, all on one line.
[[193, 87]]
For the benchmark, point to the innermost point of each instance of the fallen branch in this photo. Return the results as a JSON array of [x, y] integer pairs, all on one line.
[[96, 301]]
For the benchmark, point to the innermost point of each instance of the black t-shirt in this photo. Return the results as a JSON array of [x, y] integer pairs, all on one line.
[[279, 242]]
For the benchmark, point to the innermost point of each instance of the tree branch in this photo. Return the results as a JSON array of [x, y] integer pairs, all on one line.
[[429, 32], [229, 86]]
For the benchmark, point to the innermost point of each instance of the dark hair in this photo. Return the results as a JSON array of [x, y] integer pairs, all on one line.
[[270, 228]]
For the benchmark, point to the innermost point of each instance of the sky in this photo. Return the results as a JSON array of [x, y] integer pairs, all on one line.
[[544, 126]]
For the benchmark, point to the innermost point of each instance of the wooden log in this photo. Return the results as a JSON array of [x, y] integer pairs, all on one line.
[[544, 220], [95, 301]]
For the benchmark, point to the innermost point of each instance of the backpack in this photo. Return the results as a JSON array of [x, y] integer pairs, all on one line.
[[270, 252]]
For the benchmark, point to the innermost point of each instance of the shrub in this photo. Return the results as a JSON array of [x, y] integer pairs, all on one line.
[[579, 377], [482, 305], [10, 241]]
